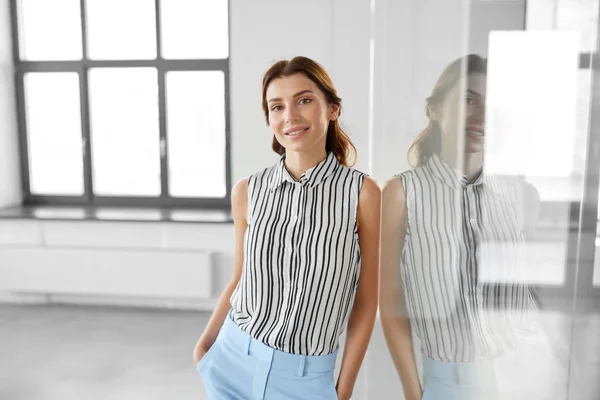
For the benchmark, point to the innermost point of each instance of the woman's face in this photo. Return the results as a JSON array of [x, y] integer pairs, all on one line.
[[461, 115], [299, 114]]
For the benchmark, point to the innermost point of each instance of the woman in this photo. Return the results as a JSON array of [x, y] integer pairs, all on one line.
[[448, 233], [306, 255]]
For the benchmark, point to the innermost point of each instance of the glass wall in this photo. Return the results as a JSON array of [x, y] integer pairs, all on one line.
[[496, 237]]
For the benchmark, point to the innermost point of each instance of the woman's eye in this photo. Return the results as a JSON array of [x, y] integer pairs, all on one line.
[[470, 100], [304, 101], [276, 108]]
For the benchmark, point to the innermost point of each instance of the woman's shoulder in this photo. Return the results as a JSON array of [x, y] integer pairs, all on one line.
[[264, 174], [393, 189], [412, 172], [353, 171], [396, 187], [368, 186], [530, 193]]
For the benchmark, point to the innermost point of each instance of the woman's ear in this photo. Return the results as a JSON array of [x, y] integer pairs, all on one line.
[[335, 112]]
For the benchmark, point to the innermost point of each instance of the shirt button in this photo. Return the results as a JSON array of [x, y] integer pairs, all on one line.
[[472, 220], [477, 254], [289, 248], [479, 290], [294, 218]]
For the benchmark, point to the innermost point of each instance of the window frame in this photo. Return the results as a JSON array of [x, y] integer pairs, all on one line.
[[81, 68]]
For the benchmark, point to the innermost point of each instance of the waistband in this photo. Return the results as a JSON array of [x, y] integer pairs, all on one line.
[[279, 360], [478, 372]]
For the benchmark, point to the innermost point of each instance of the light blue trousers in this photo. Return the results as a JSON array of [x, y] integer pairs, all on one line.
[[238, 367], [459, 381]]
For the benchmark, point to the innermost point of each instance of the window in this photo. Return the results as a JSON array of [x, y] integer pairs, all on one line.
[[538, 112], [580, 18], [123, 102]]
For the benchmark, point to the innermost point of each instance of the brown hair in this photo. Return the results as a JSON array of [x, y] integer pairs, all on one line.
[[429, 141], [337, 140]]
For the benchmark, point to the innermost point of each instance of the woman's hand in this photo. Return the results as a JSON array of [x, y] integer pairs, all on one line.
[[343, 394], [199, 351]]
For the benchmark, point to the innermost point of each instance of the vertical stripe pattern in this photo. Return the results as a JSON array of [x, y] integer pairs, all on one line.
[[301, 257], [462, 262]]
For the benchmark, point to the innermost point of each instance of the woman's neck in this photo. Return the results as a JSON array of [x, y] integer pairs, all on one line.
[[299, 162], [472, 163]]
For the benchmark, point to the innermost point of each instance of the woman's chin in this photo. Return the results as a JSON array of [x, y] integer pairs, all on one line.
[[299, 146], [474, 147]]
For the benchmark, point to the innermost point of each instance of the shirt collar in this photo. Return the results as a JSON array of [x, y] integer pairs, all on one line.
[[450, 176], [311, 177]]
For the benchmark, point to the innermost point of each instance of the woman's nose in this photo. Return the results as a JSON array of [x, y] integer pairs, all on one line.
[[291, 115]]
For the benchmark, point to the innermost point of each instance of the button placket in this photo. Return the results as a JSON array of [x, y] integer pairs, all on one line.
[[292, 226], [471, 223]]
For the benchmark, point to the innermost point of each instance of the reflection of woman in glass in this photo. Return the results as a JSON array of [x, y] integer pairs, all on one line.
[[446, 228], [306, 256]]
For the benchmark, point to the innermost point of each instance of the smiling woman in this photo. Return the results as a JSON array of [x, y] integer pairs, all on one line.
[[306, 256], [298, 97]]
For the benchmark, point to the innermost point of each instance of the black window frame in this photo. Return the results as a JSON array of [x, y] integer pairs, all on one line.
[[82, 67]]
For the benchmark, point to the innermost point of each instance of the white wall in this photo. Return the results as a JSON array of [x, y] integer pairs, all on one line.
[[129, 263], [10, 188], [334, 32]]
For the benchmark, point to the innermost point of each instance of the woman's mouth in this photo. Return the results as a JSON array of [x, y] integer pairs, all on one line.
[[296, 132], [475, 132]]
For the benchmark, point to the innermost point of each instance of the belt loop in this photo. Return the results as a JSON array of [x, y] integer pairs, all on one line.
[[457, 375], [247, 349], [302, 364]]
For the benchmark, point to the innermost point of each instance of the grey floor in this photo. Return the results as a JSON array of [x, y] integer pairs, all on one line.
[[58, 352], [67, 352]]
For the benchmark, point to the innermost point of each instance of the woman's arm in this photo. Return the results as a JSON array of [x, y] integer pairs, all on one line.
[[392, 310], [362, 317], [239, 205]]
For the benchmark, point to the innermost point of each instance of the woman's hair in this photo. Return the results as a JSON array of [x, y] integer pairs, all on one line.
[[337, 140], [430, 140]]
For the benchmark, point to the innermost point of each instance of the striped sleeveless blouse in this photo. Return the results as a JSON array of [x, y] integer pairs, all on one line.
[[463, 262], [301, 257]]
